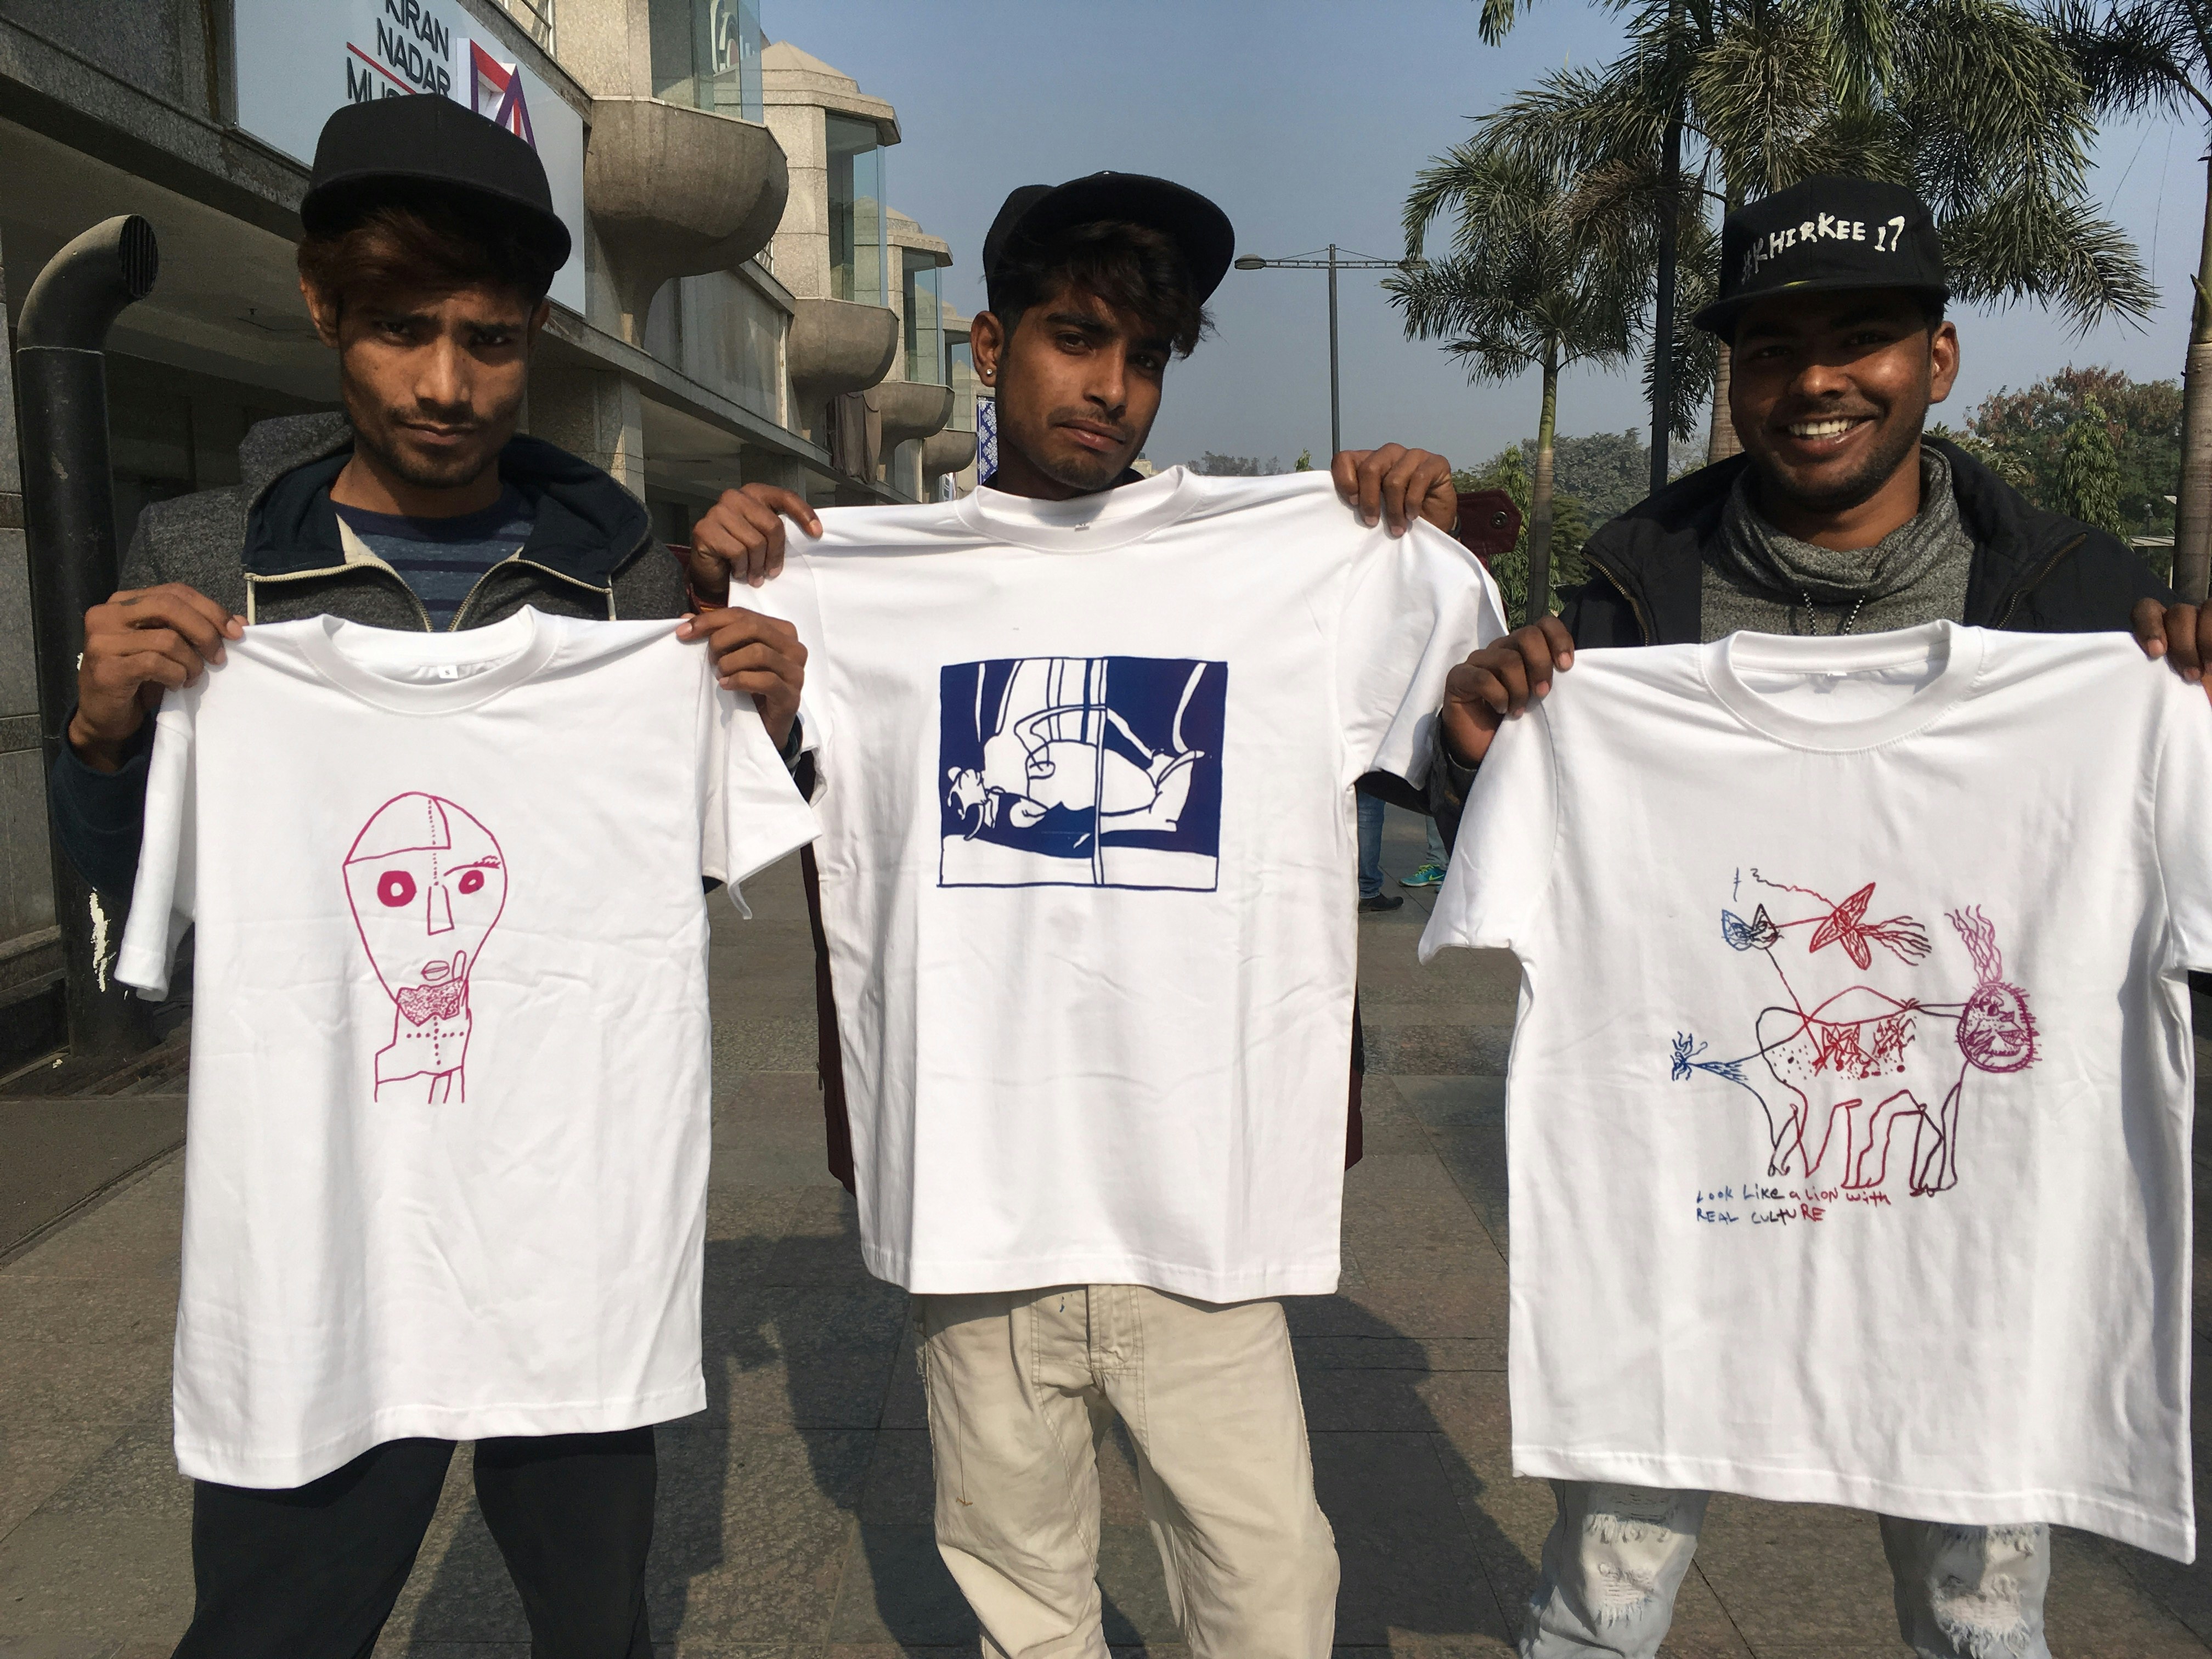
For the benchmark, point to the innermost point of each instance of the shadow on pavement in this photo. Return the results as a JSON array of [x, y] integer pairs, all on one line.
[[1419, 1554], [817, 1419]]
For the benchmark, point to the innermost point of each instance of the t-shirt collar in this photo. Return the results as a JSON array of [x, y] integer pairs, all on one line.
[[1724, 661], [1092, 523], [400, 670]]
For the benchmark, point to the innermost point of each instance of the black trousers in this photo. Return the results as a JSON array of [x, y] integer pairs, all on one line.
[[312, 1572]]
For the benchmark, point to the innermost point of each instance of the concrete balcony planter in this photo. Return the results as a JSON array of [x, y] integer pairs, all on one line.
[[837, 346], [674, 193], [913, 410], [947, 451]]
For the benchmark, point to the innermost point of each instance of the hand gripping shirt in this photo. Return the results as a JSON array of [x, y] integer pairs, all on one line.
[[1849, 1107], [1088, 865], [445, 1166]]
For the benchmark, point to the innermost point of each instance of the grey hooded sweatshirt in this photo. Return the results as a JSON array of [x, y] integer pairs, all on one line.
[[271, 550]]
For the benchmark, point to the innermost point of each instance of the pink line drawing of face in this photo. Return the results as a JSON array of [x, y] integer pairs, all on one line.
[[427, 883]]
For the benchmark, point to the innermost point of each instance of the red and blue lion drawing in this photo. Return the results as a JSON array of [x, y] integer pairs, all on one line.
[[1870, 1060]]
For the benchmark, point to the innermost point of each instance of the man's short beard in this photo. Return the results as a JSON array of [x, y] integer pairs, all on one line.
[[458, 475], [1084, 479], [1882, 464], [1084, 471]]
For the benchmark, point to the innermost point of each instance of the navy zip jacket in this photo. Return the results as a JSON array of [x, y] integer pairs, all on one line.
[[269, 548]]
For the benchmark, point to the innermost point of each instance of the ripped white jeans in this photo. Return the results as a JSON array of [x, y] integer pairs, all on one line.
[[1617, 1555]]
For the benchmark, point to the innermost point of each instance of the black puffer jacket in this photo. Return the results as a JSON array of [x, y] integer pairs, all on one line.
[[2034, 572]]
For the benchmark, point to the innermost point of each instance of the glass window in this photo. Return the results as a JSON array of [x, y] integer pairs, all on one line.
[[924, 326], [706, 54], [960, 375], [722, 332], [731, 333], [859, 249]]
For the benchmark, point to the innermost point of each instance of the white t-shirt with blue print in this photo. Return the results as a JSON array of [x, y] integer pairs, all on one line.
[[1088, 863]]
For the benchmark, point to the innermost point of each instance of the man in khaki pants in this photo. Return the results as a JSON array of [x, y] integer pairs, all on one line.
[[1016, 1072], [1023, 1384]]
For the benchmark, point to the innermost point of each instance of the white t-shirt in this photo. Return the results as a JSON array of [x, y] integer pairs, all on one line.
[[1087, 865], [446, 1160], [1849, 1111]]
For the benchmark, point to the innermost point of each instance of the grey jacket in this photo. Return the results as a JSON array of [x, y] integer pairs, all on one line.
[[271, 548]]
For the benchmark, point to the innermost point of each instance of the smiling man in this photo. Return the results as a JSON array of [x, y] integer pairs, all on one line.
[[1841, 516]]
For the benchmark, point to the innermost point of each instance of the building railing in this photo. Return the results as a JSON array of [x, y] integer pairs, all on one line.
[[535, 17]]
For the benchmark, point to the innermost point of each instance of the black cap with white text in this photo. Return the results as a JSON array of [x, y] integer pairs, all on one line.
[[1827, 234]]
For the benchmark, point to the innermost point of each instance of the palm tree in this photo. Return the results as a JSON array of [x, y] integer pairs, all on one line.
[[1670, 354], [1533, 280], [1976, 104], [2157, 55]]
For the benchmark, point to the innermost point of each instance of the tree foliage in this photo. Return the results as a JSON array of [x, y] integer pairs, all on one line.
[[2022, 437], [1608, 472], [2156, 55], [2089, 471], [1530, 276], [2140, 55], [1211, 466], [1975, 104], [1513, 470], [1532, 282]]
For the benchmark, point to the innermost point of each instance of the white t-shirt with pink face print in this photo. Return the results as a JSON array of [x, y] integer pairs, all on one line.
[[446, 1160], [1848, 1117]]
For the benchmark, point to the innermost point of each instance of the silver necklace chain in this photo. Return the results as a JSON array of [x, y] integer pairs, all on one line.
[[1850, 621]]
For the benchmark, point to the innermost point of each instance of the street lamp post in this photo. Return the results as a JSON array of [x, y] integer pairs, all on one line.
[[1331, 264]]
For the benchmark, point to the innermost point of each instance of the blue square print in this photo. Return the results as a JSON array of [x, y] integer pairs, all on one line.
[[1081, 772]]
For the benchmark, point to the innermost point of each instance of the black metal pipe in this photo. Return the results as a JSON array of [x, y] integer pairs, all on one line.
[[76, 299], [69, 520]]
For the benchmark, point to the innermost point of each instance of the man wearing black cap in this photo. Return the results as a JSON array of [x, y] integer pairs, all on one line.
[[431, 242], [1094, 286], [1840, 516]]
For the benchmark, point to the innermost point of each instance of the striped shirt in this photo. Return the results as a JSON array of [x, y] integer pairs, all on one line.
[[442, 559]]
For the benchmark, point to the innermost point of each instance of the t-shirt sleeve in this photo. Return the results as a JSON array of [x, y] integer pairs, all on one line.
[[1414, 606], [2182, 820], [161, 899], [751, 812], [1508, 840]]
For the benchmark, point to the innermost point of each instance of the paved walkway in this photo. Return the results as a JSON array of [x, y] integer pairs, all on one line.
[[794, 1514]]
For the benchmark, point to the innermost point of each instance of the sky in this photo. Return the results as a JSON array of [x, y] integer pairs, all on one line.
[[1307, 122]]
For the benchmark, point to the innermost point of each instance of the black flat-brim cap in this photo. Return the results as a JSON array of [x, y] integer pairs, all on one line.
[[1035, 214], [381, 151], [1829, 234]]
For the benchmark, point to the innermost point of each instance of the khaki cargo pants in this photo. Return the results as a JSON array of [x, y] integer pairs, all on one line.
[[1022, 1385]]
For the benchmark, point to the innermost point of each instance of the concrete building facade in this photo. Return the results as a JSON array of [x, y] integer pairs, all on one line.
[[744, 304]]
